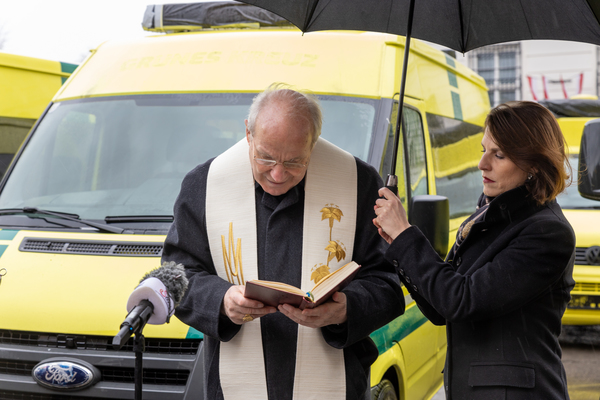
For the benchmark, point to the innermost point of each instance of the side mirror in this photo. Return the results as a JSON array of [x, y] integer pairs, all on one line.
[[431, 214], [589, 161]]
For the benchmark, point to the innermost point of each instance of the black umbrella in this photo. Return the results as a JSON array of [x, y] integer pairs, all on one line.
[[461, 25]]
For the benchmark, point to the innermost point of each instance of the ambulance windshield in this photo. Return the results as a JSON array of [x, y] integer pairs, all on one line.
[[127, 155]]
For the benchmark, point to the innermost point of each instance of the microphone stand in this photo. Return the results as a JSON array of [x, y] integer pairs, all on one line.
[[134, 324], [139, 345]]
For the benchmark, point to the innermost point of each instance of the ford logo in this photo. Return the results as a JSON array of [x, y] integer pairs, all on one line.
[[65, 374]]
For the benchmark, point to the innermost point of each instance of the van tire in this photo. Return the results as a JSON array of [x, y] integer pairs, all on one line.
[[384, 391]]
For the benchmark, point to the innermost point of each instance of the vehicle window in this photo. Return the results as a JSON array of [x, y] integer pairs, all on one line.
[[570, 199], [456, 150], [128, 155], [348, 123], [13, 131], [416, 152], [386, 159], [70, 154]]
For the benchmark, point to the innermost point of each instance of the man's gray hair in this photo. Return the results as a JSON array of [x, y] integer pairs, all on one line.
[[301, 104]]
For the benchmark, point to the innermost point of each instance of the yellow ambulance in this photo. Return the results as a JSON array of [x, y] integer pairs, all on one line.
[[27, 85], [86, 205], [583, 214]]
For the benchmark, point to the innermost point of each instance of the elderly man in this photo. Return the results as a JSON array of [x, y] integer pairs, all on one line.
[[282, 205]]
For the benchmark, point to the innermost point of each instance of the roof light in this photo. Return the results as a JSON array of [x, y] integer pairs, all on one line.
[[211, 15]]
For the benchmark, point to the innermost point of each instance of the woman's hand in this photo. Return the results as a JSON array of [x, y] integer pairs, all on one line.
[[391, 218]]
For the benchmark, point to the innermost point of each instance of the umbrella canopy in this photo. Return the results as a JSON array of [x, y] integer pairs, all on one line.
[[461, 25]]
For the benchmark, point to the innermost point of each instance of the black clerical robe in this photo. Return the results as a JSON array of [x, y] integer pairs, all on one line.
[[374, 297]]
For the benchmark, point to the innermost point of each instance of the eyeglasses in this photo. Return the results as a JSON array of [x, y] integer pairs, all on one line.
[[272, 163], [286, 164]]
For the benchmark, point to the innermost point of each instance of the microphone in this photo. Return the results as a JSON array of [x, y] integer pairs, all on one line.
[[153, 301]]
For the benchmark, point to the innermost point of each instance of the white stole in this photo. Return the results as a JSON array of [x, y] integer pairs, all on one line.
[[231, 216]]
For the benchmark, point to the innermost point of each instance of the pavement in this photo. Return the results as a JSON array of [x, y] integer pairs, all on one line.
[[440, 395]]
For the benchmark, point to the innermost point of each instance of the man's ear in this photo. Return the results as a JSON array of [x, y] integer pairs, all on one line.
[[248, 134]]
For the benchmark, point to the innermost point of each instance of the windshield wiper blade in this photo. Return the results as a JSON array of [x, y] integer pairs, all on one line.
[[27, 210], [138, 218], [62, 215]]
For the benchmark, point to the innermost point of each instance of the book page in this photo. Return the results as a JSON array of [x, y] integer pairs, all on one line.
[[280, 286]]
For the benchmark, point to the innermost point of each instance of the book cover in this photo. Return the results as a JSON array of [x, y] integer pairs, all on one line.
[[275, 293]]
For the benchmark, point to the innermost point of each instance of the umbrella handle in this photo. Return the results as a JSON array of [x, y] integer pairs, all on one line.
[[392, 180], [392, 183]]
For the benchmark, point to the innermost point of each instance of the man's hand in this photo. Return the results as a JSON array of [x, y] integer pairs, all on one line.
[[329, 313], [240, 309]]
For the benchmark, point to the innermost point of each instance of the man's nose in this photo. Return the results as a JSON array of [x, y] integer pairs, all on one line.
[[278, 173]]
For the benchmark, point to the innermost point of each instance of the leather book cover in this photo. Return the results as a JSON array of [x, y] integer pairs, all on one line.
[[307, 303], [275, 293], [272, 296]]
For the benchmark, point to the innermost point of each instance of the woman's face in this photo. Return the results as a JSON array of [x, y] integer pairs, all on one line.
[[500, 174]]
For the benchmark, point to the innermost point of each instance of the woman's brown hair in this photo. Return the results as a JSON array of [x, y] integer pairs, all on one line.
[[529, 135]]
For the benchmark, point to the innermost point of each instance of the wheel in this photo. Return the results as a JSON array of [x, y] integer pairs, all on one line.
[[384, 391]]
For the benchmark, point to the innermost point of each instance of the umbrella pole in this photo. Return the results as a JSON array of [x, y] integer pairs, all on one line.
[[392, 180]]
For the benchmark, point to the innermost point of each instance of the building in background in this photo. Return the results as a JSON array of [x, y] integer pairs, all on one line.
[[536, 69]]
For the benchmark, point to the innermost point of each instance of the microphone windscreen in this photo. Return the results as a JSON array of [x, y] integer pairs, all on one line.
[[172, 275], [153, 290]]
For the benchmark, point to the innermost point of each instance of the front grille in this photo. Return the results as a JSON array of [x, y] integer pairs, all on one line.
[[45, 246], [87, 248], [91, 247], [581, 258], [16, 367], [100, 343], [10, 395], [109, 374], [150, 376], [586, 287], [135, 249]]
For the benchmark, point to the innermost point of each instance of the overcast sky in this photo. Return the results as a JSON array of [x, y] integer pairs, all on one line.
[[65, 30]]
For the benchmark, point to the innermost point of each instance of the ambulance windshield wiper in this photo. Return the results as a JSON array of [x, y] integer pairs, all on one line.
[[138, 218], [61, 215]]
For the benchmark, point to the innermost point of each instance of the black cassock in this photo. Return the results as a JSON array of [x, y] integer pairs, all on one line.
[[374, 296]]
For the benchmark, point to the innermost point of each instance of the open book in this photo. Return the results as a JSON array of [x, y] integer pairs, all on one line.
[[275, 293]]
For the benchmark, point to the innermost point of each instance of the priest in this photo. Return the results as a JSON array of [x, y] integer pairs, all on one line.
[[282, 205]]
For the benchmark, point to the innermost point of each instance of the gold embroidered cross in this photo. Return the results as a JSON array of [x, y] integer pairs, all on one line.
[[233, 256], [335, 248]]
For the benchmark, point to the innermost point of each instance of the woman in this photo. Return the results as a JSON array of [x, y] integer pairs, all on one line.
[[506, 282]]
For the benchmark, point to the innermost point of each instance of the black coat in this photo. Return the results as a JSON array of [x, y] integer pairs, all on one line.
[[501, 294]]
